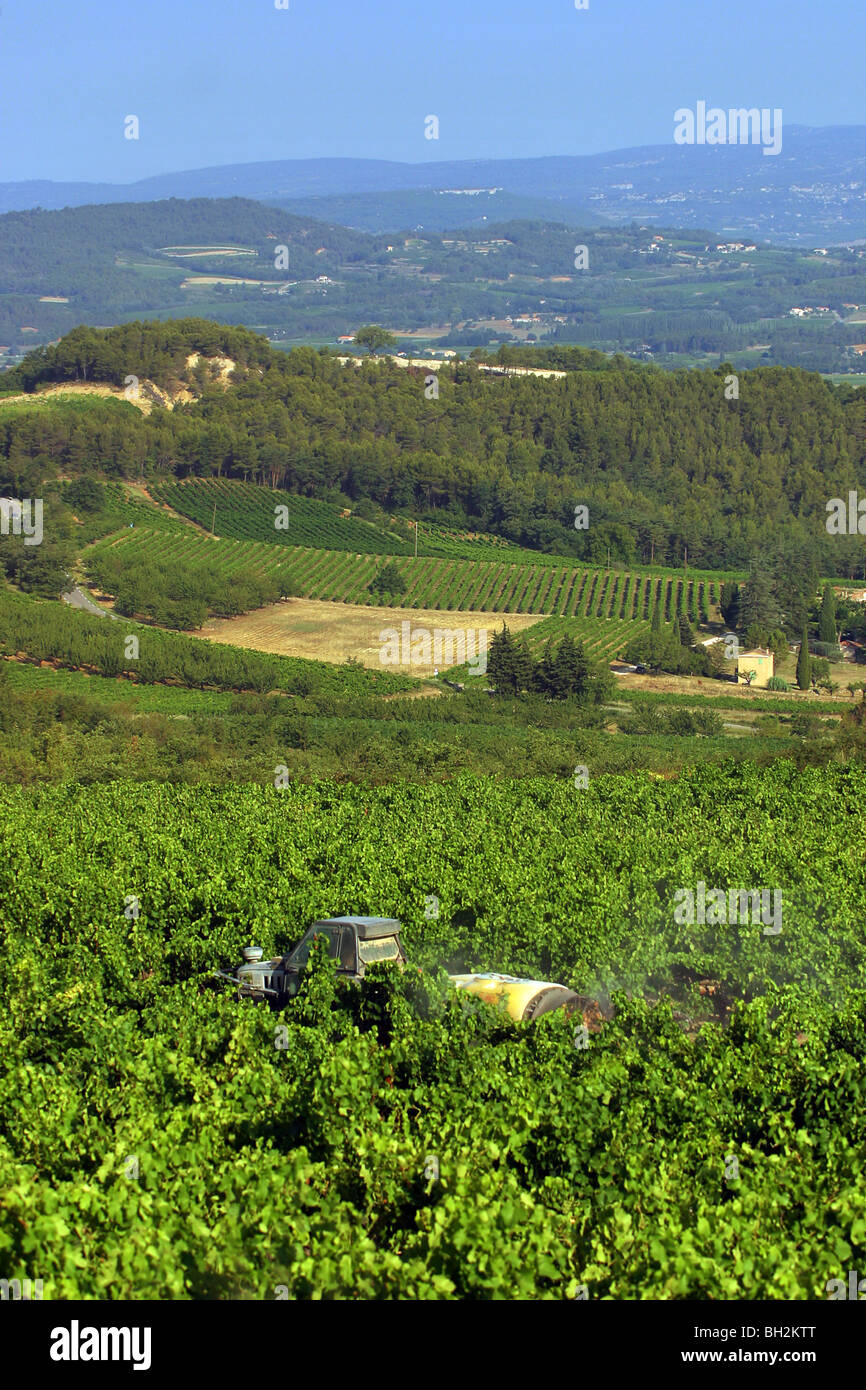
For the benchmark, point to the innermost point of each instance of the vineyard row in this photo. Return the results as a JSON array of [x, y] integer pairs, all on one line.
[[481, 586]]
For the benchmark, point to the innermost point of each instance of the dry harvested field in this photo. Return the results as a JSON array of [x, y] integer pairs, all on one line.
[[192, 280], [181, 251], [334, 631], [703, 685]]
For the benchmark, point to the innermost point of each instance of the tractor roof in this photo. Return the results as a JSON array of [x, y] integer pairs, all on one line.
[[368, 927]]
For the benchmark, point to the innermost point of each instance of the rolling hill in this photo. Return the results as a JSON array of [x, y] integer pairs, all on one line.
[[811, 194], [669, 466], [673, 297]]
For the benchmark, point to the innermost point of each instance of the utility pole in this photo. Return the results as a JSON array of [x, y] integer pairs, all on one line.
[[416, 540], [213, 523]]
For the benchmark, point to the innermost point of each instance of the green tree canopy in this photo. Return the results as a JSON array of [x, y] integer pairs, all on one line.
[[388, 580], [373, 337], [758, 602], [827, 624]]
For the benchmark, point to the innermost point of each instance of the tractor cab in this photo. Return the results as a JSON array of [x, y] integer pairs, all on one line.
[[353, 942]]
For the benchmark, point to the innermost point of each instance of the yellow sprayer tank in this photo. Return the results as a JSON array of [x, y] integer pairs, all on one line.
[[521, 999]]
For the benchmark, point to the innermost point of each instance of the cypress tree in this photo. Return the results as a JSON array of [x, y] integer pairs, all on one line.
[[827, 625], [804, 663]]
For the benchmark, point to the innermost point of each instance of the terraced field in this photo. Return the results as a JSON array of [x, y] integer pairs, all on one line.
[[602, 638], [247, 512], [340, 576], [244, 511]]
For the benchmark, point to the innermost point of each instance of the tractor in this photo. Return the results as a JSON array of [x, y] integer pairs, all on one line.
[[356, 942]]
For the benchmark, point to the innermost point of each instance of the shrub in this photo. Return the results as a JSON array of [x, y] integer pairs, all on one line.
[[831, 650], [388, 580]]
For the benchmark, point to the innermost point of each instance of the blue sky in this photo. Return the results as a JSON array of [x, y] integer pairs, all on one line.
[[231, 81]]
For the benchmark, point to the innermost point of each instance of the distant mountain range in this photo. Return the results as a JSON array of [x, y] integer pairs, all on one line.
[[812, 192]]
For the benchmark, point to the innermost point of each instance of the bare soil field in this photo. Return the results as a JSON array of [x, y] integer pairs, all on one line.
[[704, 685], [324, 631], [192, 280]]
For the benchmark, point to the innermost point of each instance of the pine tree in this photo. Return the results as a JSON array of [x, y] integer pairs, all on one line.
[[756, 636], [758, 603], [500, 661], [796, 581], [804, 663], [523, 665], [545, 680], [827, 625], [583, 671], [565, 668], [509, 663]]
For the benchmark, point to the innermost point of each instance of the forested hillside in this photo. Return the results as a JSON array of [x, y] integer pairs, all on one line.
[[664, 462], [112, 261], [684, 297]]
